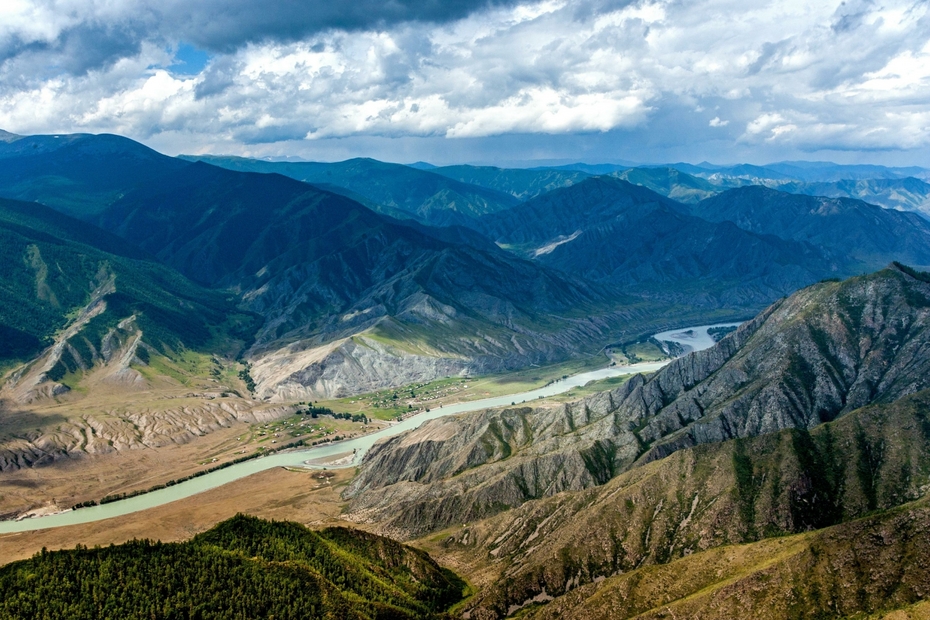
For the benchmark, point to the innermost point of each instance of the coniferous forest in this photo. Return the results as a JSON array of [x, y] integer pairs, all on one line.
[[241, 569]]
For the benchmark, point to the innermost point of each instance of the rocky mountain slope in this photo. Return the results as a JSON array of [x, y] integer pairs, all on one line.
[[76, 298], [827, 350], [811, 416], [665, 532]]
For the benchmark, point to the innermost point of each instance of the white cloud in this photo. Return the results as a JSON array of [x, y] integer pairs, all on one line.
[[803, 75]]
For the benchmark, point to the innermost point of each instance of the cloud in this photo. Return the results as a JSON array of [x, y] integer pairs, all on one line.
[[97, 29], [291, 77]]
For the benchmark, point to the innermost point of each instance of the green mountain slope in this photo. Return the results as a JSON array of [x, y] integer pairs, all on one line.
[[95, 299], [611, 231], [867, 235], [242, 568], [78, 174], [392, 189]]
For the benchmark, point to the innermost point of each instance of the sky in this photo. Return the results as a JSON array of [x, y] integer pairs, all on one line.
[[489, 81]]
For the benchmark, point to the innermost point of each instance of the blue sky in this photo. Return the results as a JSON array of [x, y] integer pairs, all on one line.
[[485, 82]]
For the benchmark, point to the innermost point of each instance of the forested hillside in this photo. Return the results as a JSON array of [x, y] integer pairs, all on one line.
[[242, 568]]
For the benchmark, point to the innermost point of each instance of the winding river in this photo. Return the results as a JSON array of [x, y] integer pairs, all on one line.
[[691, 338]]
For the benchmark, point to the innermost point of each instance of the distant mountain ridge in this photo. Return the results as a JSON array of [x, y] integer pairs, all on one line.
[[393, 189], [78, 174], [612, 231], [867, 234]]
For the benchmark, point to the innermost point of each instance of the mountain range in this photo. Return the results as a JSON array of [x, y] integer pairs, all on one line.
[[906, 189], [611, 231], [781, 473], [354, 300], [393, 189]]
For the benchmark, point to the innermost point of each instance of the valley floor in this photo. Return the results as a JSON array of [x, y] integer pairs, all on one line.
[[58, 454]]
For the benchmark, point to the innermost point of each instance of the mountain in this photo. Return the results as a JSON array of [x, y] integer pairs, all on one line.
[[392, 189], [78, 174], [241, 568], [803, 171], [80, 298], [888, 189], [907, 194], [830, 522], [611, 231], [520, 183], [670, 183], [825, 351], [821, 171], [351, 301], [868, 235], [811, 416], [591, 169], [354, 301]]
